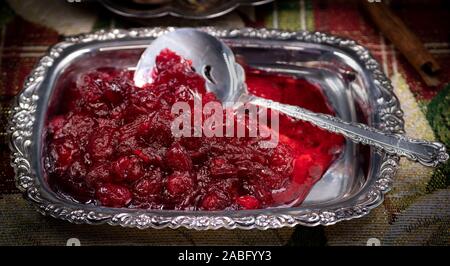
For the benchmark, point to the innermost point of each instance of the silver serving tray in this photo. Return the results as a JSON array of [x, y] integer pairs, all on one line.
[[177, 8], [347, 73]]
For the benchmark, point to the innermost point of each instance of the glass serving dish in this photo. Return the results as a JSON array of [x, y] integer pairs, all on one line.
[[348, 75]]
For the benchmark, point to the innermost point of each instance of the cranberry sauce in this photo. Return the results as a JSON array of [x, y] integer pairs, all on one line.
[[111, 144]]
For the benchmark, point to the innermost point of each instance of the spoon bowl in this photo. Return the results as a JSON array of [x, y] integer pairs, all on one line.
[[210, 58]]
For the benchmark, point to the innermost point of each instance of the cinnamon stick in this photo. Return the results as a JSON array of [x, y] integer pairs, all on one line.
[[404, 40]]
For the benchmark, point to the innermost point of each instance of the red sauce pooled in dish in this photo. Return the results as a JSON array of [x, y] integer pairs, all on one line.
[[112, 145]]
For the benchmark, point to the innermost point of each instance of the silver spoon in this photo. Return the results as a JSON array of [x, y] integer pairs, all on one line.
[[226, 79]]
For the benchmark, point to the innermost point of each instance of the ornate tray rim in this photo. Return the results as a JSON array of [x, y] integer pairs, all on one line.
[[225, 8], [24, 115]]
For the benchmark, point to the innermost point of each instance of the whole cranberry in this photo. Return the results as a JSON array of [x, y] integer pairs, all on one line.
[[101, 144], [219, 167], [179, 184], [214, 201], [248, 202], [112, 195], [128, 168], [178, 159], [148, 186], [64, 152], [99, 174]]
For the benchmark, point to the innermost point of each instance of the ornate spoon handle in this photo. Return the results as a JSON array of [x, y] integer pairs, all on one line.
[[424, 152]]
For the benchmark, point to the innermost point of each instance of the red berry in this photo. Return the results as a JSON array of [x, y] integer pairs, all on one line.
[[179, 184], [248, 202], [128, 169], [101, 144], [112, 195], [219, 167], [178, 159], [147, 187], [99, 174], [214, 201]]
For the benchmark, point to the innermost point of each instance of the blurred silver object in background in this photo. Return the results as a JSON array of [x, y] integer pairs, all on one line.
[[190, 9]]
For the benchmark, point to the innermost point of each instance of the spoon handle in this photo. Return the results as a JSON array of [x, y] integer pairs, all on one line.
[[425, 152]]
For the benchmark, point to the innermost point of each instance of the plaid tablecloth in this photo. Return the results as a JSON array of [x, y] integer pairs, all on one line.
[[415, 212]]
